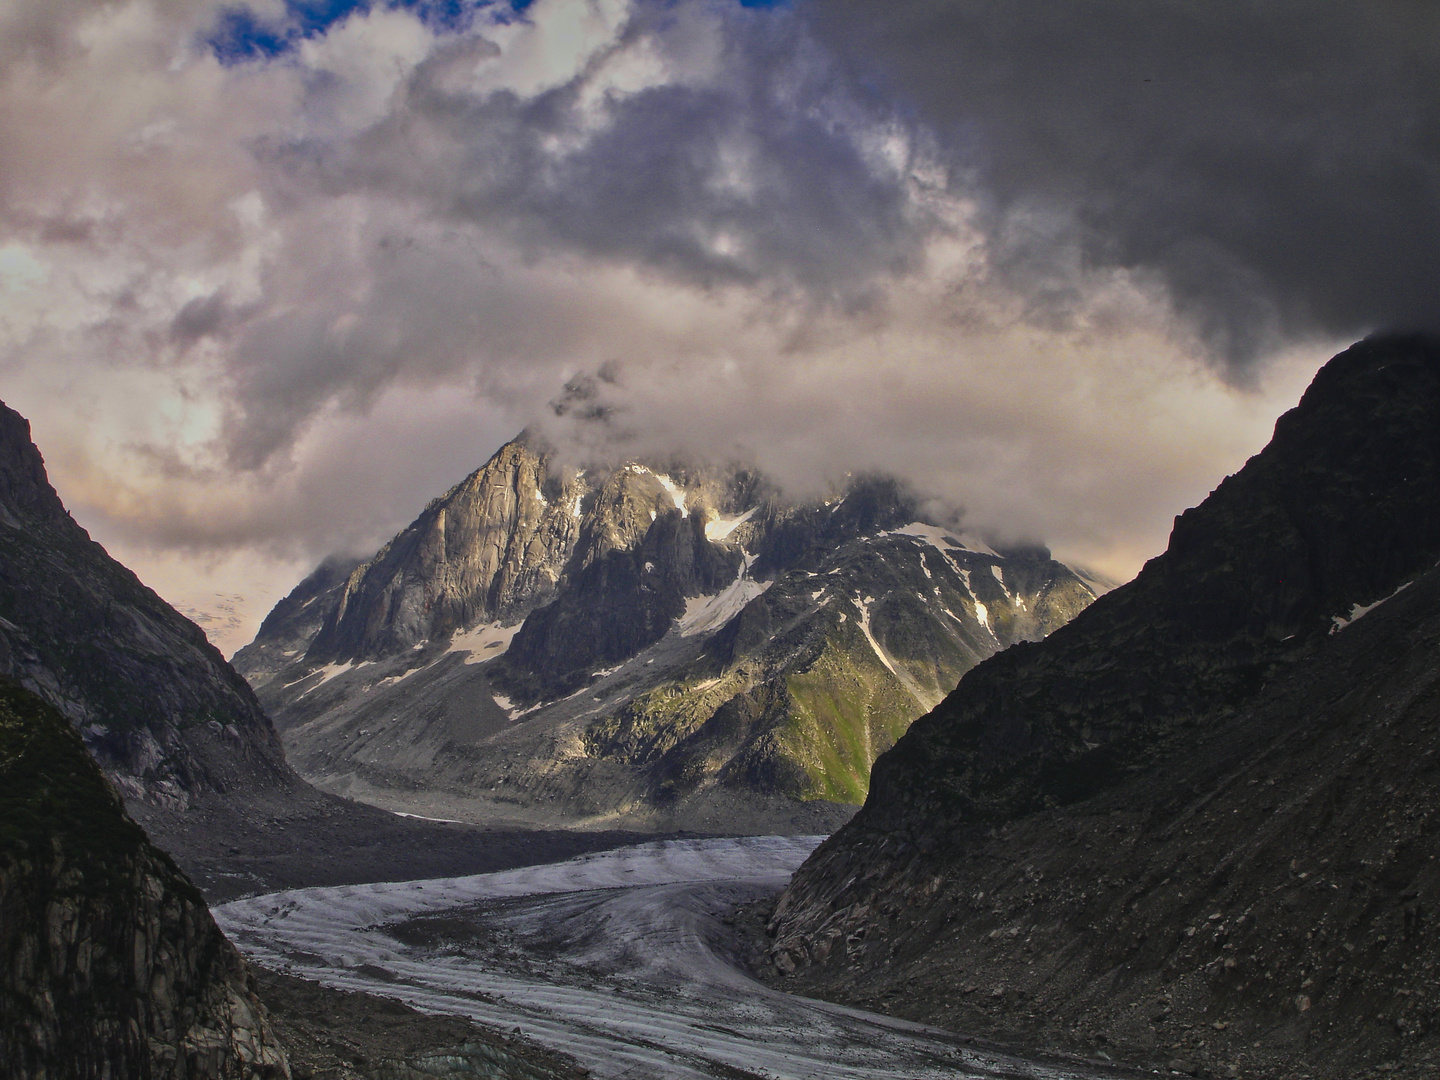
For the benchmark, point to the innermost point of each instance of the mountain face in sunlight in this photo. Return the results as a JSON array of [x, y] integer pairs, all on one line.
[[660, 641]]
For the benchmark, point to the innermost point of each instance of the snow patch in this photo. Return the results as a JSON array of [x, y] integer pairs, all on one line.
[[904, 677], [983, 614], [864, 606], [704, 614], [422, 817], [944, 539], [332, 670], [999, 577], [677, 493], [1359, 611], [483, 642], [329, 671], [719, 527]]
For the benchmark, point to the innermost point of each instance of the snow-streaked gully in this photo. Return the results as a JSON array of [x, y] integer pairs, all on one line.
[[618, 959]]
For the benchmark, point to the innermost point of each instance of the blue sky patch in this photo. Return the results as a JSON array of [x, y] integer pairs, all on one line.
[[241, 35]]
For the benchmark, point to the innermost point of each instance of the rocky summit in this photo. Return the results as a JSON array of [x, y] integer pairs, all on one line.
[[1195, 827], [661, 645], [110, 964]]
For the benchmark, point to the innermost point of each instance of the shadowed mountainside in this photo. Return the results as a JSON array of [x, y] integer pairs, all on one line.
[[1201, 815], [155, 702], [110, 964]]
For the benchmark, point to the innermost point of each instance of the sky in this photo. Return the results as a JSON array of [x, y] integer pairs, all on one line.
[[275, 273]]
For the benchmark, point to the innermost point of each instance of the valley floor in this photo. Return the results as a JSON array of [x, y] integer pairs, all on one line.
[[624, 960]]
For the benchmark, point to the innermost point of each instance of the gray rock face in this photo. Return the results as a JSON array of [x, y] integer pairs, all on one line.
[[490, 548], [641, 641], [618, 603], [110, 964], [158, 705], [296, 620]]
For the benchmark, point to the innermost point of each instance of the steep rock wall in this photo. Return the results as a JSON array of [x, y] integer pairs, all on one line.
[[110, 964]]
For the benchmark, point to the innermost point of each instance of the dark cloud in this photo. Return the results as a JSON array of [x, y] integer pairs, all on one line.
[[752, 173], [201, 317], [1275, 165]]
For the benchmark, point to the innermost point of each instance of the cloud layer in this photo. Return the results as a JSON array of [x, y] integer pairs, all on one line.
[[1275, 166], [1059, 269]]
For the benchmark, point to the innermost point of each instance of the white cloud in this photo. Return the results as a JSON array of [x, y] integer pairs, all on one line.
[[264, 311]]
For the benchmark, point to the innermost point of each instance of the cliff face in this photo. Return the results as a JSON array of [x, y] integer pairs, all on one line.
[[110, 964], [1204, 805], [294, 622], [675, 645], [490, 548], [158, 705]]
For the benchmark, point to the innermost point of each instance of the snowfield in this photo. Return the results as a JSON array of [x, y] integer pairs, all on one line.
[[619, 959]]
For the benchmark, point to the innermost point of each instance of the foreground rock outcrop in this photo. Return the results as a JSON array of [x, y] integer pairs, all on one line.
[[110, 964], [1197, 824]]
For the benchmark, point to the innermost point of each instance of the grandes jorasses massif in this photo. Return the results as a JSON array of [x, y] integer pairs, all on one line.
[[651, 643]]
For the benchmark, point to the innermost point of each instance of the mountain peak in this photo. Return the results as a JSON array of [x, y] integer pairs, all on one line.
[[649, 635], [25, 490]]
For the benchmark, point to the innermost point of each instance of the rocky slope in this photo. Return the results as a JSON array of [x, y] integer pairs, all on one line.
[[1196, 823], [155, 702], [178, 731], [293, 623], [110, 964], [676, 647]]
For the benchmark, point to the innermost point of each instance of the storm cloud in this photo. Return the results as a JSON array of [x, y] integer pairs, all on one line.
[[271, 281], [1275, 166]]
